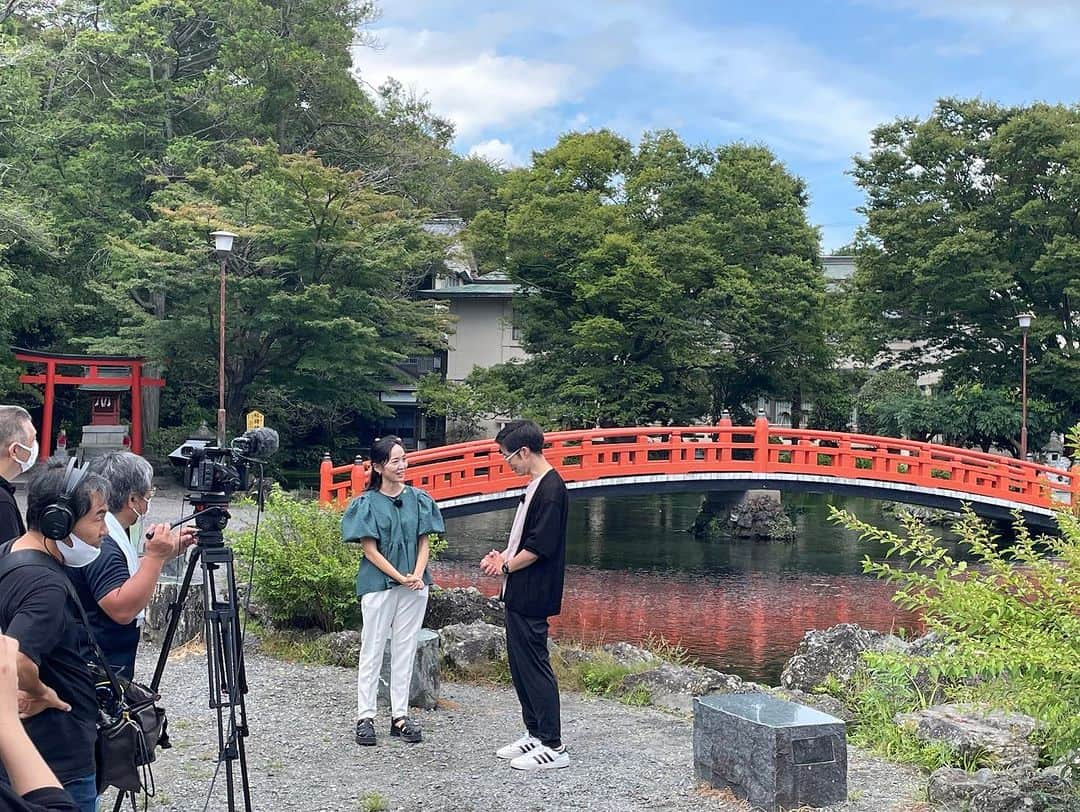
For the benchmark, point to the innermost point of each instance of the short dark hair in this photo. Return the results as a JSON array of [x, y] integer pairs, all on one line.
[[47, 485], [521, 434]]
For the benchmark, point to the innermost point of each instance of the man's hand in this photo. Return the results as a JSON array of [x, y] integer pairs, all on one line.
[[414, 582], [164, 543], [30, 705], [491, 564]]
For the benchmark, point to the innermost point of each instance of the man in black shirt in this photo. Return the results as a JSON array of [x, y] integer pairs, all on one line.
[[116, 587], [59, 707], [18, 453], [532, 565]]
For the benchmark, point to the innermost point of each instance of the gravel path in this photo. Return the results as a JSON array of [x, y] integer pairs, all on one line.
[[301, 754]]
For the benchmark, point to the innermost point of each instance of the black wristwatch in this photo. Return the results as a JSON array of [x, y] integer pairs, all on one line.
[[506, 568]]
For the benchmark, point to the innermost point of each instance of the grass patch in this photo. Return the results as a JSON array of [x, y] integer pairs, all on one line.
[[373, 802]]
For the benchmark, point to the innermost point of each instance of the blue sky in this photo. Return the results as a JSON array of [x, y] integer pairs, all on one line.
[[808, 79]]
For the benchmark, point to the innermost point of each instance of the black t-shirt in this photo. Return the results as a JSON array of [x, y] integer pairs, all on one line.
[[536, 590], [35, 609], [94, 581], [46, 799], [11, 521]]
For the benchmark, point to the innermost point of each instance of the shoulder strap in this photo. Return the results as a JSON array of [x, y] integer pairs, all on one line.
[[17, 559]]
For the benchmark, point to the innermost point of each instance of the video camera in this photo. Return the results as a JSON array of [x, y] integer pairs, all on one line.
[[212, 469]]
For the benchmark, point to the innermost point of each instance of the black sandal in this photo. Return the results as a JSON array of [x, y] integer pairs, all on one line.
[[365, 732], [406, 729]]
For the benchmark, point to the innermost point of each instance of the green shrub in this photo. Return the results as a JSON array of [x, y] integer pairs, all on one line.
[[1010, 625], [304, 572]]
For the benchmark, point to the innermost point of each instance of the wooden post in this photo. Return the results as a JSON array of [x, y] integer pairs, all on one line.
[[136, 407], [326, 478], [45, 440], [761, 443]]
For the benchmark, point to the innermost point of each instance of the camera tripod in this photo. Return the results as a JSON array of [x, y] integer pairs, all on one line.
[[222, 631]]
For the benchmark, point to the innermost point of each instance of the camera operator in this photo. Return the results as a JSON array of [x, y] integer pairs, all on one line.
[[58, 706], [18, 453], [34, 787], [116, 588]]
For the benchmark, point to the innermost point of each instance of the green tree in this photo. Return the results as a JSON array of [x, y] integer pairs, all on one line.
[[316, 285], [970, 221], [659, 284]]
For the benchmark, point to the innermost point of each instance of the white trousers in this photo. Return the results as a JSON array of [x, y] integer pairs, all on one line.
[[396, 613]]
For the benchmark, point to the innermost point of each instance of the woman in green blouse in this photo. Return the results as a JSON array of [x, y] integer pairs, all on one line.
[[391, 521]]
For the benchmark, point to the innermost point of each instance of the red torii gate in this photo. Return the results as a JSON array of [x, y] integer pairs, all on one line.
[[134, 380]]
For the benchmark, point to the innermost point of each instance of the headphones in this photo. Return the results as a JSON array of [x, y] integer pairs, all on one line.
[[58, 518]]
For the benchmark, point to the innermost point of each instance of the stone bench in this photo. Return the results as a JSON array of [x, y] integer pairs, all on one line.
[[772, 753]]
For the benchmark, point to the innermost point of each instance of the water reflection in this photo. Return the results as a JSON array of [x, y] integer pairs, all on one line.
[[634, 573]]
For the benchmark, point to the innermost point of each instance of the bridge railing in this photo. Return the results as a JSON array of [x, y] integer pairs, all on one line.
[[476, 468]]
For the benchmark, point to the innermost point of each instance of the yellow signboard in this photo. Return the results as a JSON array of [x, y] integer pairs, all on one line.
[[255, 420]]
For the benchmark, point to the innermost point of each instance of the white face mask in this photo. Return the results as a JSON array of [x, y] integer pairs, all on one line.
[[31, 460], [79, 554]]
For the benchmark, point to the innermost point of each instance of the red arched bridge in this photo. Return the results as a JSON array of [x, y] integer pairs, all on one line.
[[473, 477]]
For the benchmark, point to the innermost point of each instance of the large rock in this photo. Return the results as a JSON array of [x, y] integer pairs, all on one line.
[[447, 607], [984, 791], [426, 675], [988, 791], [836, 652], [470, 646], [675, 686], [343, 649], [974, 733], [760, 514], [192, 613], [628, 654]]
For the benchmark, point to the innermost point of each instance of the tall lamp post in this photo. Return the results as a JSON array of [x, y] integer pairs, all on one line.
[[223, 241], [1024, 319]]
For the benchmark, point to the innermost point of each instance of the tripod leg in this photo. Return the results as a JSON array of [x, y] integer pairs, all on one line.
[[228, 683], [174, 618]]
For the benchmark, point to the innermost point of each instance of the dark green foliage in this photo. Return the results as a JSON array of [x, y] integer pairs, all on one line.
[[971, 221], [660, 284], [131, 130]]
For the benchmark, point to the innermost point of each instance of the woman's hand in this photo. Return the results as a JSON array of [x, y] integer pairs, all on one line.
[[413, 581]]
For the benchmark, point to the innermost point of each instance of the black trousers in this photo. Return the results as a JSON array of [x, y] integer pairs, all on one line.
[[534, 681]]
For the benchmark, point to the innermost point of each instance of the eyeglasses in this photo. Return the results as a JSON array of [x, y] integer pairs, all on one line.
[[509, 457], [150, 494]]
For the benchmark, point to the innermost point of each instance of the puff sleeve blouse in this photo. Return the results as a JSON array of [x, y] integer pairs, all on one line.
[[396, 525]]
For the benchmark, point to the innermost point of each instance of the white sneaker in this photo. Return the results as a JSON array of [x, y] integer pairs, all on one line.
[[542, 758], [522, 746]]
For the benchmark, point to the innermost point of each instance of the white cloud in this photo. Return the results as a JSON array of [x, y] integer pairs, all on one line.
[[513, 66], [772, 86], [476, 88], [1052, 25], [499, 152]]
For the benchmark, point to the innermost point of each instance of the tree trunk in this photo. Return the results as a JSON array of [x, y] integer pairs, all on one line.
[[151, 395], [796, 408]]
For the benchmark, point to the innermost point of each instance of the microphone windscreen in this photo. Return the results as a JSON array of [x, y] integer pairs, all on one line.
[[398, 503], [262, 442]]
